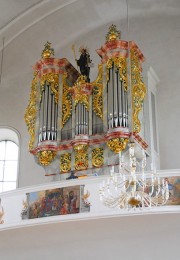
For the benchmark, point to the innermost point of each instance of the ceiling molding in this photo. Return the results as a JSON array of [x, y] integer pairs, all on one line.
[[30, 17]]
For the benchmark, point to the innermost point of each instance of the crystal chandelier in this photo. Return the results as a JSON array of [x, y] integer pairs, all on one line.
[[134, 190]]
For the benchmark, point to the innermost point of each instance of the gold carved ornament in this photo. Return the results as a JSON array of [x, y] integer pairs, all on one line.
[[66, 102], [81, 157], [120, 64], [48, 51], [80, 96], [97, 157], [117, 144], [113, 34], [52, 79], [138, 90], [65, 162], [46, 157], [31, 111], [97, 93]]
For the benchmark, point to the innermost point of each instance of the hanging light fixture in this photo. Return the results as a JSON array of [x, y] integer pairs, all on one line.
[[133, 190]]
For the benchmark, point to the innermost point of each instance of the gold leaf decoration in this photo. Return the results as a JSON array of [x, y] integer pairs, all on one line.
[[65, 162], [79, 95], [66, 102], [81, 157], [113, 34], [97, 93], [48, 51], [31, 111], [97, 157], [46, 157], [117, 144], [138, 90], [120, 64], [52, 79]]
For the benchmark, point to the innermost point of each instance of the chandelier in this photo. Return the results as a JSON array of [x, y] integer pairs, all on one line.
[[134, 190]]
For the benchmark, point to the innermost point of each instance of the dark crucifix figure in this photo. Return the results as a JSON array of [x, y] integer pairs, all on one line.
[[84, 63]]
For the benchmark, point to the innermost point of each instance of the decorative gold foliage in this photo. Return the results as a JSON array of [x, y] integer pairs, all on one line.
[[46, 157], [123, 72], [97, 157], [97, 93], [120, 64], [113, 33], [53, 80], [48, 51], [117, 144], [81, 157], [31, 111], [79, 94], [66, 102], [138, 90], [65, 162]]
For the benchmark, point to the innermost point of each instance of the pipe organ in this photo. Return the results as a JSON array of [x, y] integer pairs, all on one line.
[[83, 126]]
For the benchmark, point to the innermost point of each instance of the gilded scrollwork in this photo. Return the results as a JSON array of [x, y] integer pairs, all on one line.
[[31, 111], [97, 93], [97, 157], [120, 64], [123, 72], [81, 157], [117, 144], [138, 90], [46, 157], [52, 79], [80, 96], [66, 102], [65, 162]]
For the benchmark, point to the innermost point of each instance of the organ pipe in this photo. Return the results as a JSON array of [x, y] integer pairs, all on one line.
[[48, 114], [81, 119], [117, 100]]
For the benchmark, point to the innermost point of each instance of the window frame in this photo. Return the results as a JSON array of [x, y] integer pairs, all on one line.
[[12, 135]]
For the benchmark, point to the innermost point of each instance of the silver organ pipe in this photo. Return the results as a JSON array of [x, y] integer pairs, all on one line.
[[44, 114], [87, 122], [117, 100], [41, 116], [56, 120], [81, 119], [76, 120], [48, 113], [110, 101]]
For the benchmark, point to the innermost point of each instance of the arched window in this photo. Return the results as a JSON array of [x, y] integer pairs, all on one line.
[[9, 159]]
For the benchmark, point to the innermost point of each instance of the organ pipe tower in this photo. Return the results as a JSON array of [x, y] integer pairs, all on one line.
[[83, 126]]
